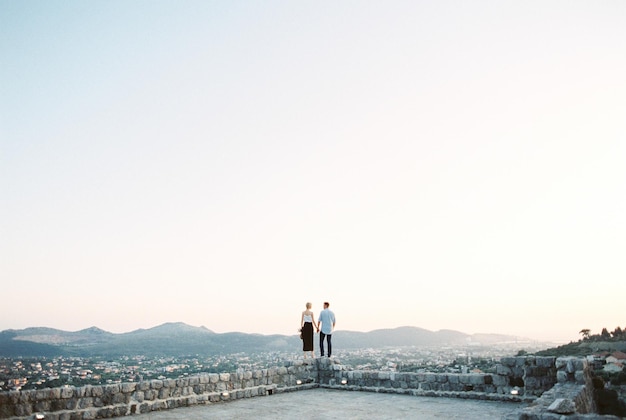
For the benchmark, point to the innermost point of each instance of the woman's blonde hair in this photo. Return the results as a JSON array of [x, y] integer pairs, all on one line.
[[308, 305]]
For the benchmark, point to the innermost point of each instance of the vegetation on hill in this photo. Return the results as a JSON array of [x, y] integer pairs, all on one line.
[[589, 343]]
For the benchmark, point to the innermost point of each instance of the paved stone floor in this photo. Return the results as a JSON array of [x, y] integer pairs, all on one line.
[[326, 404]]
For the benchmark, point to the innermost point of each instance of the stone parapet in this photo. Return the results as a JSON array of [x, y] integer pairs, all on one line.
[[572, 397], [516, 376], [467, 395], [116, 400], [554, 387]]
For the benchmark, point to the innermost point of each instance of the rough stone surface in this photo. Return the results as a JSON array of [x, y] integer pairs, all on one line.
[[562, 406], [563, 386]]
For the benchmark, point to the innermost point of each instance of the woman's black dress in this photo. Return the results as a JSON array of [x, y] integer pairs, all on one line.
[[307, 337]]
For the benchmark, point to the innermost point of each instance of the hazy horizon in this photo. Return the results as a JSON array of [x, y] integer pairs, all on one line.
[[448, 165], [338, 330]]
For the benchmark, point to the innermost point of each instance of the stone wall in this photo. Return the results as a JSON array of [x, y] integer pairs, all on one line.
[[563, 386], [572, 397], [455, 385], [534, 375], [115, 400]]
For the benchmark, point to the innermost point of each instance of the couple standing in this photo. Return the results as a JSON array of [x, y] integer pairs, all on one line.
[[325, 323]]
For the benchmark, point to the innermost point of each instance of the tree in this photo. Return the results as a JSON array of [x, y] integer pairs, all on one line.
[[617, 333], [605, 333], [585, 332]]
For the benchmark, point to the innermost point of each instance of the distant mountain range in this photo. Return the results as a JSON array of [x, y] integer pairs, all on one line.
[[179, 339]]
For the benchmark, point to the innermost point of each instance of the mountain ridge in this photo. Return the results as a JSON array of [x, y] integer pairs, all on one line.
[[179, 338]]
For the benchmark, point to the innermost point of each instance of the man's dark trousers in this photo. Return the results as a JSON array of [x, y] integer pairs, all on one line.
[[330, 346]]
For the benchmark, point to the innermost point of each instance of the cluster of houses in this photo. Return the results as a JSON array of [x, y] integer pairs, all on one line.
[[610, 362]]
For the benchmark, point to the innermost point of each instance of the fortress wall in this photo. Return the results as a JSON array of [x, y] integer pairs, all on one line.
[[512, 376], [115, 400], [572, 395], [566, 381], [534, 375], [554, 387]]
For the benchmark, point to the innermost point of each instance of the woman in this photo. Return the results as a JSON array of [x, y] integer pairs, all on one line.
[[307, 322]]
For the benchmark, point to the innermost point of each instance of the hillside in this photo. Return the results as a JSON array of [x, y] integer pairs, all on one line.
[[584, 348]]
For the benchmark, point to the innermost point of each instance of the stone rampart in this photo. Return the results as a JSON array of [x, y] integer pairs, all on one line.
[[556, 387], [572, 397], [501, 387], [533, 375], [115, 400]]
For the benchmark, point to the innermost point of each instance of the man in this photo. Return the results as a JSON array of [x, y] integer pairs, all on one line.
[[326, 323]]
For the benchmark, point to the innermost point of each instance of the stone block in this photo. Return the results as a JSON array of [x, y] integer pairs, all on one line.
[[143, 385], [579, 364], [150, 394], [561, 362], [67, 392], [86, 402], [71, 404], [531, 383], [164, 393], [503, 370], [477, 380], [26, 396], [546, 362], [42, 406], [562, 406], [128, 387], [55, 393], [23, 410], [508, 361], [41, 395], [138, 396], [490, 389], [499, 380], [517, 371], [120, 398]]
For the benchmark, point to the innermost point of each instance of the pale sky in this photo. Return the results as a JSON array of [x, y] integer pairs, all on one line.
[[442, 164]]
